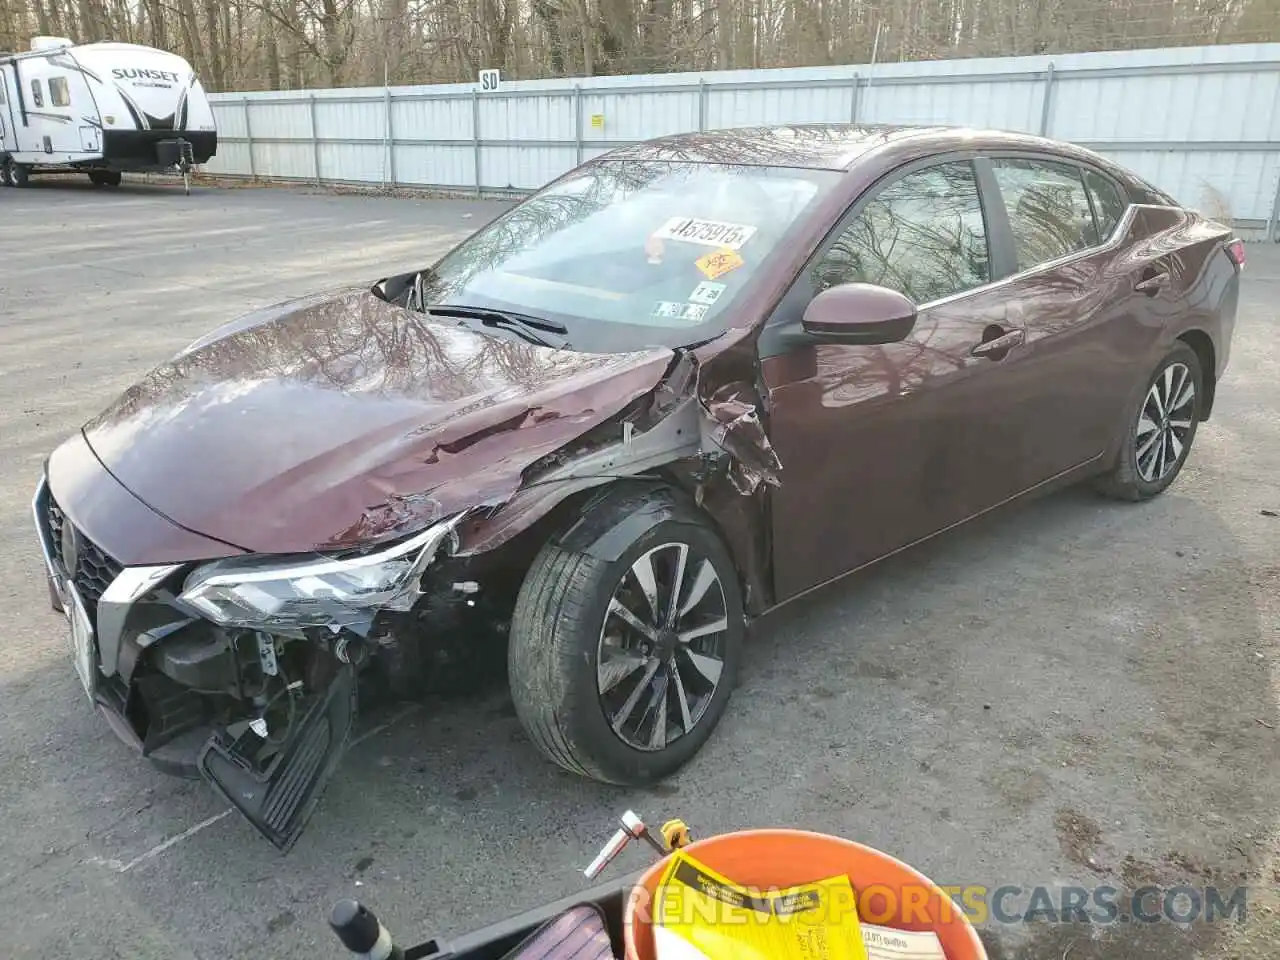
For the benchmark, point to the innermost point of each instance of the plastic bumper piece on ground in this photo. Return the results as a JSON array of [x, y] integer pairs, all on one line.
[[279, 799]]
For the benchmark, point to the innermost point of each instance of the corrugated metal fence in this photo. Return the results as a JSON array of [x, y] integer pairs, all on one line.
[[1203, 123]]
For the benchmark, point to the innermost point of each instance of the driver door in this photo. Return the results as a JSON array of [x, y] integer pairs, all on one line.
[[883, 445]]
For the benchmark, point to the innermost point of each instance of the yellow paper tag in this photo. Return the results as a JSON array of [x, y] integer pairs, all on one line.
[[718, 263], [721, 919]]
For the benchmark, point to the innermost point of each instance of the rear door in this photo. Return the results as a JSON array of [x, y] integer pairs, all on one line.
[[1075, 292]]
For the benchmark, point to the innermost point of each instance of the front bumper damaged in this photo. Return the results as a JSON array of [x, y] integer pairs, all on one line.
[[154, 672]]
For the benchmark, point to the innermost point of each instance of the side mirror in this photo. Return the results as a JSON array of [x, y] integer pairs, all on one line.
[[859, 313]]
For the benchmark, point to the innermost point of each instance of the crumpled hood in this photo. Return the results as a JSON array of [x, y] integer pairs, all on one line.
[[343, 419]]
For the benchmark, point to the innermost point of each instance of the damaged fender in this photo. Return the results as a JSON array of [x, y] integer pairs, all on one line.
[[704, 436], [606, 534]]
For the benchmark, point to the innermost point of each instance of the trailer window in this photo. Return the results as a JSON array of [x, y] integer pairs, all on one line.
[[59, 92], [37, 94]]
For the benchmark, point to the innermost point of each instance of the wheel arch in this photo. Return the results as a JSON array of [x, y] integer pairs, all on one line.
[[604, 520], [1202, 344]]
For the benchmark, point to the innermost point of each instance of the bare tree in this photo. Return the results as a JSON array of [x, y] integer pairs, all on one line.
[[288, 44]]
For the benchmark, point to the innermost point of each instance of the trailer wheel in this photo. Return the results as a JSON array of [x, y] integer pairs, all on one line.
[[104, 178]]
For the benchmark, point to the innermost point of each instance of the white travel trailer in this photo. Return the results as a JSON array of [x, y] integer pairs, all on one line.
[[103, 108]]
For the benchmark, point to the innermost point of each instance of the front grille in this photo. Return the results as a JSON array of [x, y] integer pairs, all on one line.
[[95, 569]]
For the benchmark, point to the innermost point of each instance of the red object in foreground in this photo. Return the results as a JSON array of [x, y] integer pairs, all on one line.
[[783, 858], [1235, 250]]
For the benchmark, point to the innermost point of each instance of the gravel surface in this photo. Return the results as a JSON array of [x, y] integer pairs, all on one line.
[[1076, 692]]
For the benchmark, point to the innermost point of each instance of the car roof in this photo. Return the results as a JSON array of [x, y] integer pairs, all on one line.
[[823, 146]]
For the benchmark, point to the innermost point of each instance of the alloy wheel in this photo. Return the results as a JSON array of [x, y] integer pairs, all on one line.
[[1164, 424], [662, 647]]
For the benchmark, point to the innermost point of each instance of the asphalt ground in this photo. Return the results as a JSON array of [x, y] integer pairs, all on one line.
[[1077, 692]]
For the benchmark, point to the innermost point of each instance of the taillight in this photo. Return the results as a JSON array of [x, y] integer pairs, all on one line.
[[1235, 250]]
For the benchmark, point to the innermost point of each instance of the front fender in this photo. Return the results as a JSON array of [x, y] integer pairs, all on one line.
[[618, 516]]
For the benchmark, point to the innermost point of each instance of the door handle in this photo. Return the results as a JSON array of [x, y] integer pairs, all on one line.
[[995, 349], [1151, 285]]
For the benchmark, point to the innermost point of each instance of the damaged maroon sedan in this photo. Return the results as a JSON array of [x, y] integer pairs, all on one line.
[[686, 382]]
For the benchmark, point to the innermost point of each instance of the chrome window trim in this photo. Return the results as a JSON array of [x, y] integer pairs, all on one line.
[[1112, 242], [989, 155]]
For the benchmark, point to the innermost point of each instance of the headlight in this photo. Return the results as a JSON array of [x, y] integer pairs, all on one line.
[[266, 593]]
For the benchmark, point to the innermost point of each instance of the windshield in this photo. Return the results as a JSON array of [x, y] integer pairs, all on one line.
[[631, 254]]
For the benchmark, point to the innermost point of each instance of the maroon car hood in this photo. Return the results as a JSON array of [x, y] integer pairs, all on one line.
[[345, 419]]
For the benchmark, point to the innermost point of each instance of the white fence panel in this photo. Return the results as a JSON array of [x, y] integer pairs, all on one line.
[[1013, 104], [1202, 123], [433, 165]]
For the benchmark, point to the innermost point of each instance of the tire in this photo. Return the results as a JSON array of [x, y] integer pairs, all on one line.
[[4, 173], [105, 178], [1137, 475], [557, 640], [18, 174]]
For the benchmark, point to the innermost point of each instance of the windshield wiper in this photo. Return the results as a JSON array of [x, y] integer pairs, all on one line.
[[522, 323]]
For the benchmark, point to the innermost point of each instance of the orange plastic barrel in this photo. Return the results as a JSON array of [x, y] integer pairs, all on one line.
[[889, 893]]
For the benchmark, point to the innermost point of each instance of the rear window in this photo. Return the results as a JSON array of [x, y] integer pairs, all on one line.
[[1049, 211], [1109, 203]]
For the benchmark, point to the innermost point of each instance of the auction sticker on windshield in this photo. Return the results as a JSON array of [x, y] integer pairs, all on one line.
[[695, 312], [706, 292], [717, 264], [712, 233]]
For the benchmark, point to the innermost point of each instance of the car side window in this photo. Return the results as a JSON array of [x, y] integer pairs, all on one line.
[[1109, 204], [37, 93], [923, 235], [59, 92], [1048, 208]]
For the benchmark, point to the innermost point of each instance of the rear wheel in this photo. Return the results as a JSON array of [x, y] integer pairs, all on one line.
[[620, 670], [105, 178], [1161, 430]]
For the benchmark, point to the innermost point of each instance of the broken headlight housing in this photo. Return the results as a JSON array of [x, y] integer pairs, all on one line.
[[272, 592]]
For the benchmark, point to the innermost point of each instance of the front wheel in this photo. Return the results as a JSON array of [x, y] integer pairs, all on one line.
[[16, 174], [1161, 430], [620, 670]]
